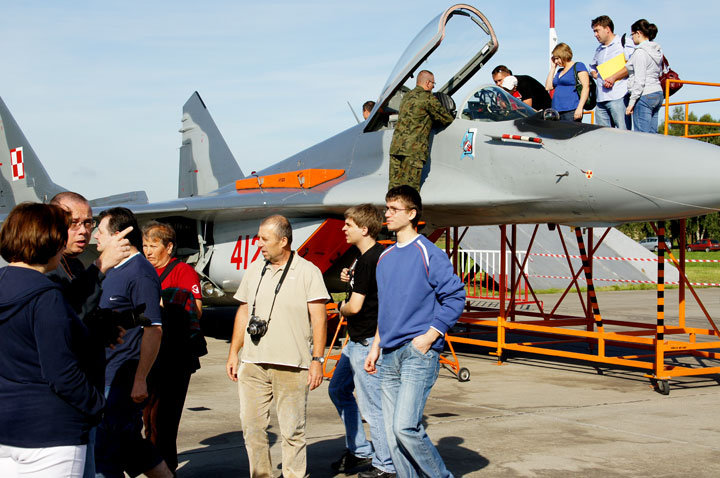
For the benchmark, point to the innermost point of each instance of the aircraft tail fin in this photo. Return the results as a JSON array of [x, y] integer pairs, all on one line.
[[22, 175], [206, 162]]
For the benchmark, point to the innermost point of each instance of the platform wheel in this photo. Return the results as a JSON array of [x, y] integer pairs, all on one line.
[[463, 375], [662, 386]]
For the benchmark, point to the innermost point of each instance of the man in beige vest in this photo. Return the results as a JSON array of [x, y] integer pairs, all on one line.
[[281, 315]]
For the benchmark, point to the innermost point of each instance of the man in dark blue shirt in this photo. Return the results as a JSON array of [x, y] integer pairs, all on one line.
[[132, 283]]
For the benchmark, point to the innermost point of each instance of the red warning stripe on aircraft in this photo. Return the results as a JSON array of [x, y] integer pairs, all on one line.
[[517, 137]]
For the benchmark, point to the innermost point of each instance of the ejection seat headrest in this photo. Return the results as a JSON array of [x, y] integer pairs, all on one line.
[[447, 101]]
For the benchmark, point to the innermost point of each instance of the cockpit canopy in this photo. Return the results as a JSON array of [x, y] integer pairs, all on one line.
[[492, 103], [453, 46]]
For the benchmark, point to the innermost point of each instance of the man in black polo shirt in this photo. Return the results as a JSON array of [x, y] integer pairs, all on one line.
[[362, 226], [531, 91]]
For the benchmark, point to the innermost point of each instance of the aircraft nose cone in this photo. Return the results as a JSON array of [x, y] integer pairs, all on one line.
[[668, 176]]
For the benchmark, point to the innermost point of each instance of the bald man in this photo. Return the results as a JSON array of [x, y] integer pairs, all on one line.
[[81, 285], [410, 145]]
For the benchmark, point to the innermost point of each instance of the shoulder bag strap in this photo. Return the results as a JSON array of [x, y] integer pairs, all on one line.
[[171, 265]]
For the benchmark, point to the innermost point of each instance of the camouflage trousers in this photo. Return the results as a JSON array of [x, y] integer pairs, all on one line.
[[406, 170]]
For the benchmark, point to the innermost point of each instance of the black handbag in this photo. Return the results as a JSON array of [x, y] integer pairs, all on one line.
[[667, 76], [591, 101]]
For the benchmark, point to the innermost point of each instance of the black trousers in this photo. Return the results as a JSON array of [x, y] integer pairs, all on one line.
[[162, 414]]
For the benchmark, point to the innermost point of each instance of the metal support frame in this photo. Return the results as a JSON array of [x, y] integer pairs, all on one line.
[[606, 341]]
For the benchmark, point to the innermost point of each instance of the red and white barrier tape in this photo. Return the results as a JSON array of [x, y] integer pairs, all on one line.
[[706, 284], [606, 258]]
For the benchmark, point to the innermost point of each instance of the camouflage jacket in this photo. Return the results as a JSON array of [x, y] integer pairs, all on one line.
[[418, 110]]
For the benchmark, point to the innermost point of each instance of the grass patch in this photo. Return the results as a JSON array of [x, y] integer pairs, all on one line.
[[701, 271]]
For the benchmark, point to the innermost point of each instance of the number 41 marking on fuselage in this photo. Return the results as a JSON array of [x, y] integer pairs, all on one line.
[[242, 251]]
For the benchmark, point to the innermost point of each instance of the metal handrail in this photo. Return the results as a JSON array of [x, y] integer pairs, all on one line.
[[687, 104]]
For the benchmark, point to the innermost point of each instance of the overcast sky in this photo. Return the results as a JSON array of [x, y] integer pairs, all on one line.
[[98, 87]]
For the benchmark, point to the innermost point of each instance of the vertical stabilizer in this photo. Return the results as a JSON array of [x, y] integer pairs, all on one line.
[[23, 177], [206, 162]]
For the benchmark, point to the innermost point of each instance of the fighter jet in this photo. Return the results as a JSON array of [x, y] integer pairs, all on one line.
[[499, 162]]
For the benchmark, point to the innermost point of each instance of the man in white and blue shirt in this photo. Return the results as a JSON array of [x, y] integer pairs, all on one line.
[[612, 97]]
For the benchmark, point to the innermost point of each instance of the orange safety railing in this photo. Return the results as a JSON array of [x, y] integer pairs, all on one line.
[[332, 354], [687, 104]]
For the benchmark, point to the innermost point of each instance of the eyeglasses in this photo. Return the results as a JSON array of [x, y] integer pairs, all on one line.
[[88, 223], [393, 210]]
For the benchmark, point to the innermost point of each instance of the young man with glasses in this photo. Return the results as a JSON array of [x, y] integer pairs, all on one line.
[[419, 299]]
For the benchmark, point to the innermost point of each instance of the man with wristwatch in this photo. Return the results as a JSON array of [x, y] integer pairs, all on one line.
[[282, 312]]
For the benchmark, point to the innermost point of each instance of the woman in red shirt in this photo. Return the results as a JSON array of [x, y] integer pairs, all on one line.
[[182, 343]]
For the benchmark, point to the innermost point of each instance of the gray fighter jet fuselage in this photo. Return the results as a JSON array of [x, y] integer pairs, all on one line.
[[499, 162]]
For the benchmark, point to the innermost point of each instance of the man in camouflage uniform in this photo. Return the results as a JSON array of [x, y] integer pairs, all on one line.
[[410, 143]]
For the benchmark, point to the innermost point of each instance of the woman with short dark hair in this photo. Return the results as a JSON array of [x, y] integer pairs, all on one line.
[[48, 402], [644, 69]]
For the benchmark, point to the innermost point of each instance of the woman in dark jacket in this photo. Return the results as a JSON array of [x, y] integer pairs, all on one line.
[[48, 401]]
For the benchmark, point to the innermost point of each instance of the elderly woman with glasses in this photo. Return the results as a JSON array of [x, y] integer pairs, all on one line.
[[48, 400]]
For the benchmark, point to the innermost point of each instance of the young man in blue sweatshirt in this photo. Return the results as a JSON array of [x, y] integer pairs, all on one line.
[[419, 299]]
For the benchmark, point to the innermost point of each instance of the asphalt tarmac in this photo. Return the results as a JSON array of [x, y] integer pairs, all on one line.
[[531, 417]]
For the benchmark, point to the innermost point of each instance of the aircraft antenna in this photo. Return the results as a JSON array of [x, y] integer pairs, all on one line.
[[553, 38], [353, 112]]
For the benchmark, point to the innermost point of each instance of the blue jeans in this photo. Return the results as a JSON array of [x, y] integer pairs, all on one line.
[[569, 116], [612, 113], [645, 113], [350, 375], [406, 378]]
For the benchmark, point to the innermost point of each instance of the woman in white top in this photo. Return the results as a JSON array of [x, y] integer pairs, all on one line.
[[644, 69]]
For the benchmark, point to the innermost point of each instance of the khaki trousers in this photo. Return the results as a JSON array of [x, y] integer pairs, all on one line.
[[258, 385]]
